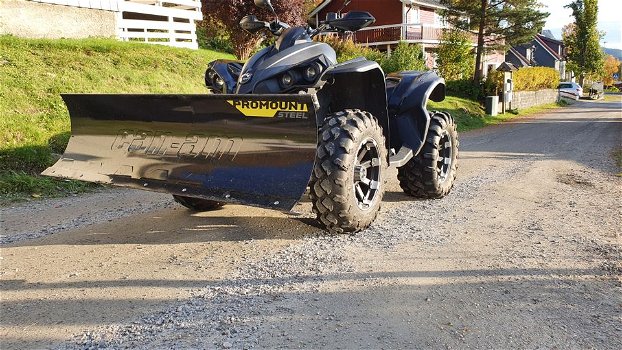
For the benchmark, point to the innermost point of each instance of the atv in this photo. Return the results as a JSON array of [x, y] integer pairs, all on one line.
[[289, 119]]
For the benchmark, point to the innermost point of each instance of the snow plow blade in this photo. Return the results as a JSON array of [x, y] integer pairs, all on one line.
[[249, 149]]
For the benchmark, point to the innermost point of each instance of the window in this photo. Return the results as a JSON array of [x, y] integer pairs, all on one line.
[[411, 15], [439, 21]]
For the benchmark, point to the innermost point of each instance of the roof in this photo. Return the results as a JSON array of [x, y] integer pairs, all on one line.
[[319, 8], [549, 34], [541, 40], [431, 3], [506, 67], [522, 59]]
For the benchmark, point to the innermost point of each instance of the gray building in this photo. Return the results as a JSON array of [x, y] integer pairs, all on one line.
[[543, 51]]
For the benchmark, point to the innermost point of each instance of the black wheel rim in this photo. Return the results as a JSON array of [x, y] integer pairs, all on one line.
[[367, 174], [445, 157]]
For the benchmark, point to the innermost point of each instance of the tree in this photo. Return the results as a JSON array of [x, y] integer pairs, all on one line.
[[230, 12], [455, 55], [581, 40], [611, 67], [499, 23]]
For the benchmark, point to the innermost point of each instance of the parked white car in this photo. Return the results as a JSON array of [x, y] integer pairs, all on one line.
[[570, 90]]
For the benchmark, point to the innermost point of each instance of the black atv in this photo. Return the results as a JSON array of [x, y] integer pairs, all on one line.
[[288, 118]]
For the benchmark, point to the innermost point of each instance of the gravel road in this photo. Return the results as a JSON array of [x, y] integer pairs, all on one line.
[[524, 253]]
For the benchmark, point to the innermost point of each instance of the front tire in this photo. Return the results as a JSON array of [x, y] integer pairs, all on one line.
[[347, 183], [431, 174], [198, 204]]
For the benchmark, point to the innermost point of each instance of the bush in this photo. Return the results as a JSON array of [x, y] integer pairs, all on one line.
[[492, 85], [347, 49], [464, 88], [535, 78], [212, 36], [405, 57], [455, 58]]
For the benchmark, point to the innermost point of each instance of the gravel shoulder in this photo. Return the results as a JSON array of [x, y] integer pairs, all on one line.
[[524, 253]]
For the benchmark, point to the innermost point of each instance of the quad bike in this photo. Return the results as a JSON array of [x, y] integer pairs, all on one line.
[[289, 119]]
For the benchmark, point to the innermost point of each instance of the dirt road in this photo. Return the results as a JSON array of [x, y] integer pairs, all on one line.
[[524, 253]]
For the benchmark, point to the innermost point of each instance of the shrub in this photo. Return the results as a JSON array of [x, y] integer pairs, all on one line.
[[464, 88], [492, 85], [455, 57], [212, 36], [347, 49], [405, 57], [535, 78]]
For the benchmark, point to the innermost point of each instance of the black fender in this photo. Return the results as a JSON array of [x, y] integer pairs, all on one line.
[[355, 84], [408, 96]]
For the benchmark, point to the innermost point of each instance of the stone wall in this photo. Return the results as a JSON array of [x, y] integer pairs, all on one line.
[[526, 99], [36, 20]]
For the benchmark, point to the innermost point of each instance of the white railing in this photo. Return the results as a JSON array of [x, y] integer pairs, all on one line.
[[175, 28], [137, 21]]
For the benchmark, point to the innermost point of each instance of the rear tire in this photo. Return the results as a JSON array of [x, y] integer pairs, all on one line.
[[198, 204], [432, 172], [347, 183]]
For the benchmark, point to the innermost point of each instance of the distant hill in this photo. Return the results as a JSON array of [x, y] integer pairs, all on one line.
[[617, 53]]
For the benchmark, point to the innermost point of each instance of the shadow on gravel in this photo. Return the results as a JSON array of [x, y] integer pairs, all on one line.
[[545, 306], [181, 226], [555, 274]]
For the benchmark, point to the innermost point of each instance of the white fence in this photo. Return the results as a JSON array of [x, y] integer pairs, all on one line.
[[167, 22]]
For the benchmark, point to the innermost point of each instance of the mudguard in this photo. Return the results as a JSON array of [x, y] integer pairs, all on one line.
[[408, 94], [227, 70], [357, 84], [250, 149]]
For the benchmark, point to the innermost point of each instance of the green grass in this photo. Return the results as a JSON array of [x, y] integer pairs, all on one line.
[[469, 115], [34, 124]]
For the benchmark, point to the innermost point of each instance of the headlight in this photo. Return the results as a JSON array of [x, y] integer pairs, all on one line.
[[287, 79], [311, 72], [209, 77], [218, 82]]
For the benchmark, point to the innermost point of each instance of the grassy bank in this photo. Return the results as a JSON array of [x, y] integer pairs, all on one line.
[[470, 115], [34, 124]]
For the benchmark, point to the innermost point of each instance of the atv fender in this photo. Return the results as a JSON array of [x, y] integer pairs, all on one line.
[[227, 70], [357, 84], [408, 94]]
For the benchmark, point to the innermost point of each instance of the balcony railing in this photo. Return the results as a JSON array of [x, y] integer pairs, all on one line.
[[397, 32]]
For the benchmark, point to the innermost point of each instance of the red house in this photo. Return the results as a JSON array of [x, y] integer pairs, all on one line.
[[411, 21]]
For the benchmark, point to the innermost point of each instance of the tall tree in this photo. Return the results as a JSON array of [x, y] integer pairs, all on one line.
[[455, 58], [582, 40], [230, 12], [611, 67], [498, 23]]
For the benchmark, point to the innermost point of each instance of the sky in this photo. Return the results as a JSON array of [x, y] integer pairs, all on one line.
[[609, 19]]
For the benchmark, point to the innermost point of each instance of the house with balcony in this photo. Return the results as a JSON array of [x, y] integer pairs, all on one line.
[[410, 21], [543, 51]]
